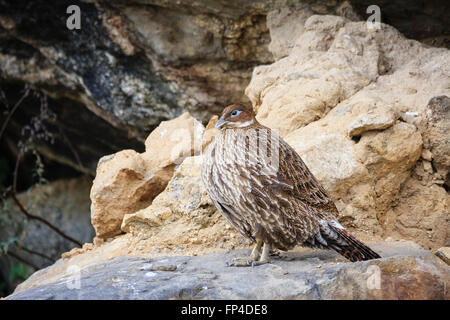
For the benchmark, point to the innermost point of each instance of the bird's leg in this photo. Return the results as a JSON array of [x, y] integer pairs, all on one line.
[[265, 254], [255, 255], [256, 252]]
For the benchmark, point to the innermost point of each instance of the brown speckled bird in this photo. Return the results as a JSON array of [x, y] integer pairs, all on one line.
[[266, 192]]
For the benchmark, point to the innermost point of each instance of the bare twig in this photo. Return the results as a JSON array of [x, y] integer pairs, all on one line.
[[72, 149], [31, 216], [16, 106], [23, 260], [42, 220], [16, 169], [37, 253]]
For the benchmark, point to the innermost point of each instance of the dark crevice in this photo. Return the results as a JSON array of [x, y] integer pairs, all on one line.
[[356, 138], [78, 137], [423, 20]]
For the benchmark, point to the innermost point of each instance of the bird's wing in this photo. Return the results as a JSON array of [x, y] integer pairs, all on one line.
[[283, 175], [303, 186], [284, 197]]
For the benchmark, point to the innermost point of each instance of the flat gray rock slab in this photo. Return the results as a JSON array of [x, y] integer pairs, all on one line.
[[405, 272]]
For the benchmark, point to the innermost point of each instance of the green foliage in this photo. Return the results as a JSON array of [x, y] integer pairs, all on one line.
[[5, 244], [19, 272], [38, 169]]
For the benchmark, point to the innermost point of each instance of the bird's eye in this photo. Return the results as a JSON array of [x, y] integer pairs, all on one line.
[[235, 113]]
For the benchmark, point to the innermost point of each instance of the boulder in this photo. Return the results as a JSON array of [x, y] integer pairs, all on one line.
[[63, 203], [362, 107], [142, 62], [172, 141], [127, 181], [405, 272], [336, 61], [181, 218], [366, 109], [436, 137]]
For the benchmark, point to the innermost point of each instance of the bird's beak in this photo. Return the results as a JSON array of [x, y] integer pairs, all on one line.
[[220, 123]]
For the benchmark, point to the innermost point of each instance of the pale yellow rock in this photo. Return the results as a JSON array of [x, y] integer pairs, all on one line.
[[397, 148], [352, 103], [285, 24], [182, 212], [127, 181], [334, 60], [435, 131], [172, 141], [376, 119], [421, 213], [336, 97], [426, 155], [330, 156], [123, 184]]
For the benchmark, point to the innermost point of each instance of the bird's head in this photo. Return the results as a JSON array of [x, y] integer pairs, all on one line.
[[236, 116]]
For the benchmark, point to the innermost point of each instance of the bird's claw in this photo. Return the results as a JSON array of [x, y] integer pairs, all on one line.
[[244, 262], [240, 262]]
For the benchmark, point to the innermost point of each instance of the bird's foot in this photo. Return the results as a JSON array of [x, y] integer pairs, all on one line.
[[245, 262], [256, 258]]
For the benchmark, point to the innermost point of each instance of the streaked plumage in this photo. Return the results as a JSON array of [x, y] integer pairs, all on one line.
[[266, 192]]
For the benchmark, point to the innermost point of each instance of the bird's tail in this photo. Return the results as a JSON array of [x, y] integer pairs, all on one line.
[[353, 249]]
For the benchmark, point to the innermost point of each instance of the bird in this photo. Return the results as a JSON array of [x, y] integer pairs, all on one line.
[[262, 187]]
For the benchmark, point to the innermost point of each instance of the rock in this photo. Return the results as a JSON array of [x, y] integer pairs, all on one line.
[[421, 212], [210, 132], [330, 156], [116, 87], [144, 62], [362, 178], [444, 254], [123, 184], [382, 119], [436, 134], [136, 64], [302, 87], [172, 141], [182, 217], [285, 24], [405, 272], [333, 60], [127, 181], [426, 154], [65, 204], [340, 99]]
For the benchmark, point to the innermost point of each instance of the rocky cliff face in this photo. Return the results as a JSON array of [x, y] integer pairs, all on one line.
[[136, 63], [368, 110], [358, 106]]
